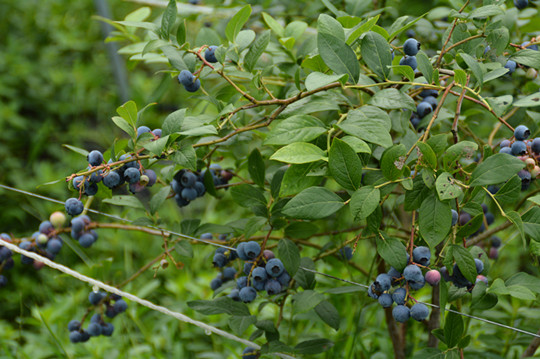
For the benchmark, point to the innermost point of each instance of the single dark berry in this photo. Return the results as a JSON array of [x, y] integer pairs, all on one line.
[[94, 329], [411, 47], [74, 325], [132, 175], [185, 77], [464, 218], [216, 283], [525, 179], [95, 158], [272, 287], [479, 265], [74, 207], [386, 300], [241, 282], [495, 242], [234, 295], [423, 109], [284, 279], [419, 312], [422, 255], [521, 133], [219, 260], [399, 296], [120, 306], [412, 273], [433, 277], [511, 66], [112, 180], [54, 246], [95, 297], [143, 129], [75, 336], [252, 250], [401, 313], [210, 54], [107, 329], [229, 273], [429, 92], [194, 86], [274, 267], [259, 274], [248, 294], [505, 143], [454, 217], [409, 61], [189, 194], [86, 240]]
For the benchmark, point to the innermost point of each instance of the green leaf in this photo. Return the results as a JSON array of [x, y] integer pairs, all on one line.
[[306, 300], [158, 199], [338, 56], [434, 220], [168, 19], [251, 197], [531, 223], [124, 201], [392, 99], [239, 324], [461, 149], [515, 218], [184, 249], [256, 167], [173, 122], [125, 126], [527, 57], [510, 191], [289, 255], [185, 156], [218, 306], [364, 201], [485, 11], [392, 251], [465, 262], [304, 278], [524, 279], [128, 112], [415, 197], [301, 230], [495, 74], [475, 67], [529, 101], [377, 54], [299, 128], [447, 188], [175, 57], [157, 146], [296, 179], [370, 124], [313, 346], [273, 24], [453, 328], [358, 145], [428, 155], [237, 22], [313, 203], [317, 80], [299, 152], [496, 169], [328, 25], [361, 28], [481, 299], [181, 33], [404, 70], [521, 292], [393, 162], [344, 165], [328, 313], [498, 39], [78, 150], [256, 50], [425, 66]]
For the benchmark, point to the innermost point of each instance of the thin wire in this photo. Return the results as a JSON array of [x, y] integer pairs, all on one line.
[[133, 298], [303, 268]]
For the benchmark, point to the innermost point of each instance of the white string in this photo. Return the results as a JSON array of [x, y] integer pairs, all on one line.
[[303, 268], [133, 298]]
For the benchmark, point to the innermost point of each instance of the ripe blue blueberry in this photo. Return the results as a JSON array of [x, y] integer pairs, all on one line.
[[95, 177], [399, 296], [247, 267], [188, 179], [54, 246], [86, 240], [346, 253], [272, 287], [423, 108], [216, 283], [250, 353], [495, 241], [107, 329], [94, 329], [274, 267], [95, 297], [241, 282], [429, 92], [525, 179], [252, 250], [189, 194], [382, 283], [194, 86], [410, 33], [200, 188], [422, 255], [84, 336], [417, 284], [143, 129], [208, 236], [75, 336], [284, 279], [409, 61], [371, 293], [386, 300], [185, 77], [74, 325], [258, 285], [521, 133], [180, 201], [157, 132], [521, 4], [95, 158], [506, 150], [46, 227], [219, 260], [112, 180], [240, 250], [74, 207], [454, 217], [411, 47], [3, 281], [412, 273], [395, 274], [432, 101], [132, 175], [120, 306], [210, 54], [401, 313], [234, 295], [419, 312], [535, 145], [247, 294], [91, 189], [5, 253], [479, 265], [519, 148], [505, 143], [229, 273], [528, 45], [511, 66], [259, 274]]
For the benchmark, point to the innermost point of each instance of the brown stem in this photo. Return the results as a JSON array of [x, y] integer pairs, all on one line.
[[458, 111], [464, 41], [450, 35], [437, 110], [531, 349]]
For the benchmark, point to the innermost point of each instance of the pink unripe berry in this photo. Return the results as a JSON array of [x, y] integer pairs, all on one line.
[[493, 253], [535, 172], [38, 265], [433, 277], [57, 219], [268, 254]]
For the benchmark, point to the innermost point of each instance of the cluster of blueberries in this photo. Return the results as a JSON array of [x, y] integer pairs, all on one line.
[[6, 262], [191, 82], [78, 231], [410, 48], [526, 150], [424, 107], [414, 279], [97, 325], [188, 185], [261, 272]]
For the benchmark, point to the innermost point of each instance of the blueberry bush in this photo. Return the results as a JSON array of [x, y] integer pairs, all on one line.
[[357, 179]]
